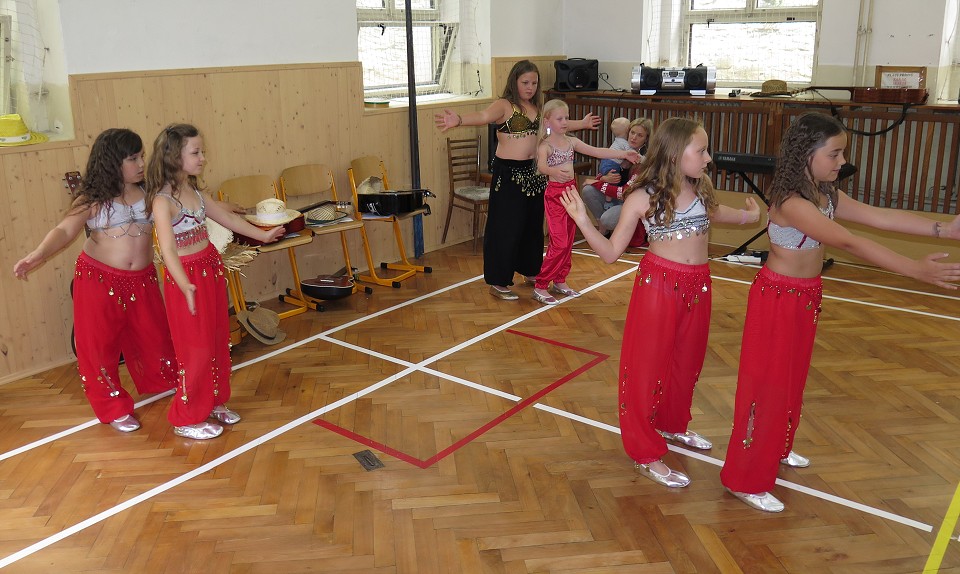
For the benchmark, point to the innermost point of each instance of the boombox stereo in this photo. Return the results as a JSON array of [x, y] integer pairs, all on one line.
[[701, 79]]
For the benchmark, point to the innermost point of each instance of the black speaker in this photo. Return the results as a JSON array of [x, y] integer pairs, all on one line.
[[696, 78], [649, 78], [576, 75]]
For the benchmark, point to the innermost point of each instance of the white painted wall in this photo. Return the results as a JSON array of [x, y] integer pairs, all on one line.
[[526, 27], [124, 35]]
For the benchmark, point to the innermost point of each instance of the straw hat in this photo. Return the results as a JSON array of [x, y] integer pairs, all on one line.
[[14, 132], [263, 324], [772, 88], [372, 184], [220, 236], [324, 214], [272, 212]]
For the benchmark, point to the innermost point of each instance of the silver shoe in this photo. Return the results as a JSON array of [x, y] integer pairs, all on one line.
[[672, 479], [763, 501], [225, 415], [126, 423], [545, 299], [795, 460], [199, 431], [689, 438], [564, 291], [505, 294]]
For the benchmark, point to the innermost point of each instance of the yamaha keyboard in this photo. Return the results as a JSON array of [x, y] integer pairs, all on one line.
[[745, 162]]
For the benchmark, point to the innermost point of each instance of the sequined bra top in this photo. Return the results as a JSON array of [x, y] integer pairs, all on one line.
[[119, 215], [792, 238], [559, 156], [691, 221], [189, 227], [519, 124]]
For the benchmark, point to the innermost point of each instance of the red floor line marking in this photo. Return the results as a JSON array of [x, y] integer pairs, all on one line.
[[598, 358]]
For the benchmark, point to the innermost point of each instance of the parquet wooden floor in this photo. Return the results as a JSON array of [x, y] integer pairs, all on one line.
[[496, 426]]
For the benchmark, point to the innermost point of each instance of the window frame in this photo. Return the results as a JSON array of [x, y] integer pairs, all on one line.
[[442, 36], [752, 13]]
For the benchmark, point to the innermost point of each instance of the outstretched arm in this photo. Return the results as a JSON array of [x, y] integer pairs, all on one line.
[[724, 214], [222, 214], [895, 219], [55, 240], [608, 249], [495, 112], [589, 122], [806, 217]]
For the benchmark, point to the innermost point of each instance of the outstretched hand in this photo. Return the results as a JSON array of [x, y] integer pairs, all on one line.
[[447, 120], [273, 234], [753, 210], [951, 230], [632, 156], [944, 275], [591, 121], [570, 199], [27, 264]]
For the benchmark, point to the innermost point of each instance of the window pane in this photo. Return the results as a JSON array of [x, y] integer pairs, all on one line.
[[384, 56], [787, 3], [370, 4], [718, 4], [755, 52], [414, 4]]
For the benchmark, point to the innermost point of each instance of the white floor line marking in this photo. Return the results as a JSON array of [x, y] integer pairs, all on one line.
[[404, 372]]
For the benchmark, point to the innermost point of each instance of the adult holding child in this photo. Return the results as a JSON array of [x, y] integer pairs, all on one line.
[[513, 237]]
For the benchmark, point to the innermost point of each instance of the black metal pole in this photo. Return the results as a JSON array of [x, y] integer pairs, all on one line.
[[414, 130]]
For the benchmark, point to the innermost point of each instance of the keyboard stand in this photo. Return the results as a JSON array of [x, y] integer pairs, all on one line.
[[742, 248]]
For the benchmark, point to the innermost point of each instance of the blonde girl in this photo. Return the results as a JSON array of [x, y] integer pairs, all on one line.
[[195, 284], [555, 155]]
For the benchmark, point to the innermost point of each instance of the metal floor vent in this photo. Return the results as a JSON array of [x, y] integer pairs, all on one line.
[[368, 460]]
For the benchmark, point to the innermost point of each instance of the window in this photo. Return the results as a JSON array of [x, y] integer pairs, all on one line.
[[382, 43], [749, 41]]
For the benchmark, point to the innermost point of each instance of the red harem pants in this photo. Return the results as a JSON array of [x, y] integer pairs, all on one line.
[[778, 335], [664, 343], [562, 229], [202, 341], [118, 311]]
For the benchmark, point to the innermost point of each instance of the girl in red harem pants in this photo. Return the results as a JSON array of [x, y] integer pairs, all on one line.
[[201, 339], [196, 291], [778, 336], [665, 334], [555, 160], [117, 311], [784, 304], [662, 353], [117, 307]]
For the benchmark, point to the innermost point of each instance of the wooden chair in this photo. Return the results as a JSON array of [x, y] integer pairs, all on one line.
[[308, 184], [467, 189], [247, 191], [359, 170]]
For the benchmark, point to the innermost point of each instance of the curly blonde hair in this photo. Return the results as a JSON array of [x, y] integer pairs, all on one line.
[[805, 136], [661, 174]]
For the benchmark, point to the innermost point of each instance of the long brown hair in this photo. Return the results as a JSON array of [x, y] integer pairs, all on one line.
[[661, 174], [102, 181], [805, 136], [165, 162], [510, 90]]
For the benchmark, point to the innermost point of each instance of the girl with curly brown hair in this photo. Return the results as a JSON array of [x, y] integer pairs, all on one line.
[[784, 302], [117, 305]]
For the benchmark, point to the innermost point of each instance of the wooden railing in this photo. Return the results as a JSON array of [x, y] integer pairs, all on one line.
[[911, 166]]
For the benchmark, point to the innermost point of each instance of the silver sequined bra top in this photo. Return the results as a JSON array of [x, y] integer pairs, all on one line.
[[691, 221], [792, 238], [559, 156]]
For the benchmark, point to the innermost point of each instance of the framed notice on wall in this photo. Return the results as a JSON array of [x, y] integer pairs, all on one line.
[[901, 77]]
